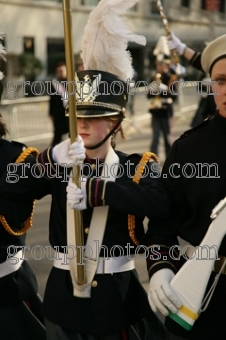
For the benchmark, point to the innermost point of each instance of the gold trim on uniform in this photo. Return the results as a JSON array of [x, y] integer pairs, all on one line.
[[103, 192], [105, 105], [155, 264], [28, 222], [136, 178], [52, 166], [218, 265], [39, 168], [90, 183]]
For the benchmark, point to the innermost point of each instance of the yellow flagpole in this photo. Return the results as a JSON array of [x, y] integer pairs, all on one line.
[[73, 132]]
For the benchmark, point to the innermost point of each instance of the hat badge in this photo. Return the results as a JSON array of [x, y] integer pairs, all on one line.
[[86, 90]]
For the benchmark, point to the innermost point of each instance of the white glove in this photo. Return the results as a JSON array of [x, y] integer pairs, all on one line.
[[66, 153], [163, 87], [176, 44], [76, 197], [161, 295]]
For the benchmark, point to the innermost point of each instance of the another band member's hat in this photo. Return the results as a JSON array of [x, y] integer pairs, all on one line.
[[162, 46], [102, 87], [213, 52], [78, 61]]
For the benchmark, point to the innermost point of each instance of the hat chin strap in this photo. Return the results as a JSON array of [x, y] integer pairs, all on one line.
[[108, 135]]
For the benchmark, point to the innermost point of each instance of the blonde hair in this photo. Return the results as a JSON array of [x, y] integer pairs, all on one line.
[[120, 129]]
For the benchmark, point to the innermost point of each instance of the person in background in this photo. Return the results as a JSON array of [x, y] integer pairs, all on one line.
[[58, 102], [161, 103], [206, 107], [195, 190], [112, 304], [79, 63], [20, 304]]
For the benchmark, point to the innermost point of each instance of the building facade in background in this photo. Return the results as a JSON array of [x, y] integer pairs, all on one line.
[[36, 27]]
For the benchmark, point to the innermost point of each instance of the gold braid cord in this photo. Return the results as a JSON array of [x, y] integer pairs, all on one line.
[[28, 222], [136, 178]]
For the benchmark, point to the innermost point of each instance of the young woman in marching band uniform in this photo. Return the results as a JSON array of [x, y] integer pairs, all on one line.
[[20, 304], [112, 304], [207, 106], [196, 188]]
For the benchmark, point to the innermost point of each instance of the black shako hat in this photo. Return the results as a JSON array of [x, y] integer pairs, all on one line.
[[100, 94], [101, 86]]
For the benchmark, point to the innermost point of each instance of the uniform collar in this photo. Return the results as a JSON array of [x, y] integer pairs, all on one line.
[[93, 160]]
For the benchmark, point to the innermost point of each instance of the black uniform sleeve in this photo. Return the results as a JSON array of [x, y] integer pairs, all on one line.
[[15, 211], [148, 198], [161, 237], [196, 61], [25, 181]]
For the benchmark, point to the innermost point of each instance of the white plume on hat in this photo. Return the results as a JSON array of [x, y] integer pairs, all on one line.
[[2, 53], [106, 38]]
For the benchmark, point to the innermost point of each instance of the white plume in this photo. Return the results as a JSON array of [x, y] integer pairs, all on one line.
[[2, 54], [106, 38]]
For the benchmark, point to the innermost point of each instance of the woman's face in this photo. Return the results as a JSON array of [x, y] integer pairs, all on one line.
[[93, 130], [218, 75]]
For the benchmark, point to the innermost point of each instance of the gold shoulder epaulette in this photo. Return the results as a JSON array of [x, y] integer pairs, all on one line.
[[136, 178], [28, 223]]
